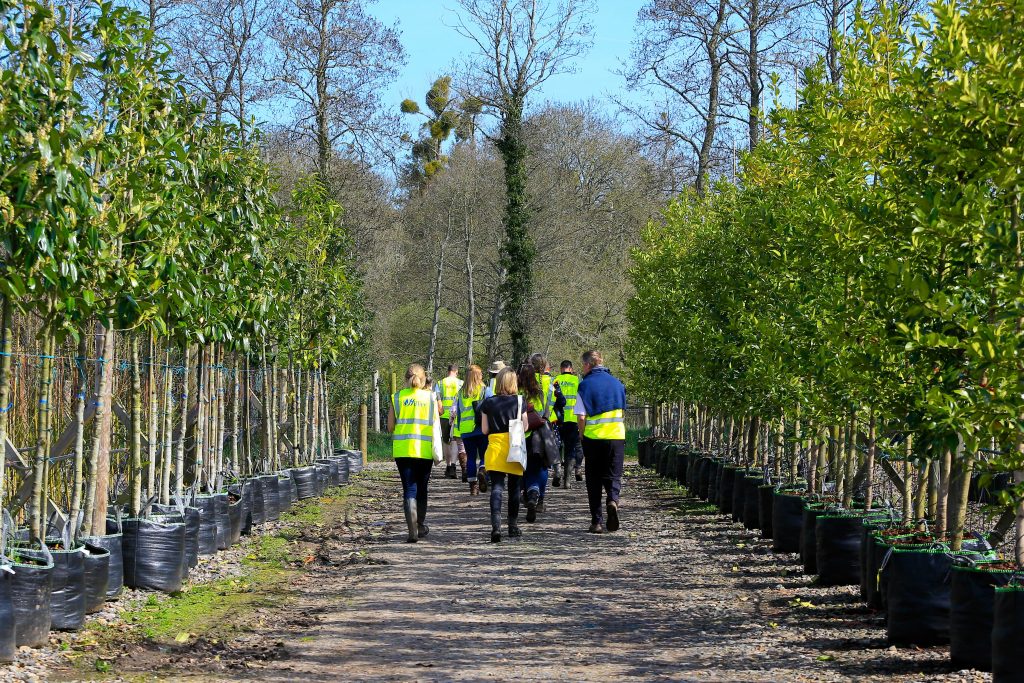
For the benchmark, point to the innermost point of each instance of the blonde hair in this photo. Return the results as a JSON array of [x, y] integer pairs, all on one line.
[[506, 384], [474, 381], [415, 376]]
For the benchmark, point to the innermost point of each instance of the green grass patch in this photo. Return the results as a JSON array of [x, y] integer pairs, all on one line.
[[633, 437], [378, 446]]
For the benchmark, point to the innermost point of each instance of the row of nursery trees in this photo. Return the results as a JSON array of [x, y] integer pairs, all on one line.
[[154, 290], [857, 295]]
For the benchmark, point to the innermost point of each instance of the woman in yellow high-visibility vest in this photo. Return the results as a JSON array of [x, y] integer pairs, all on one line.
[[412, 418], [497, 412], [465, 421]]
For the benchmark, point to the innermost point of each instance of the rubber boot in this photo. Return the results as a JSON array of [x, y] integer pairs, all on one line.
[[421, 514], [495, 528], [462, 467], [557, 475], [532, 498], [410, 520]]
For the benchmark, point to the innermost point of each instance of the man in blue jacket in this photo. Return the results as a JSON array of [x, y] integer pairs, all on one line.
[[601, 411]]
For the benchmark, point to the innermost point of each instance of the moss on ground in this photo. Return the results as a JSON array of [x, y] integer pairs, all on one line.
[[219, 608]]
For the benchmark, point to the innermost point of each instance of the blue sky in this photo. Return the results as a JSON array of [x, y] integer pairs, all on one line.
[[432, 46]]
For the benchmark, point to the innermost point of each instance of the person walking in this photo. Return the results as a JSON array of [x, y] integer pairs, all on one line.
[[446, 390], [496, 367], [466, 428], [568, 429], [552, 403], [601, 409], [412, 419], [496, 413]]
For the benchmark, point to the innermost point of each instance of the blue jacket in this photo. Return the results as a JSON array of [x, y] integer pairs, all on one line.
[[600, 392]]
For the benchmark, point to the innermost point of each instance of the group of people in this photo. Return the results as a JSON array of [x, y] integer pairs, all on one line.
[[571, 425]]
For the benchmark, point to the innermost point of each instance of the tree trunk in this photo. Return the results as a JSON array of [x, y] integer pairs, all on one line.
[[199, 445], [179, 470], [236, 413], [153, 423], [98, 483], [44, 416], [921, 507], [851, 459], [470, 294], [960, 484], [78, 474], [6, 342], [247, 416], [716, 63], [908, 473], [167, 454], [135, 468], [754, 73], [872, 446], [942, 492]]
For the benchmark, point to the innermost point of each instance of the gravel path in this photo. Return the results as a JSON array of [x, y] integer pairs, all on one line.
[[677, 594]]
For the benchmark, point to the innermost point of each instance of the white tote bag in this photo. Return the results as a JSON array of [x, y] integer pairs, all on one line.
[[438, 444], [517, 436]]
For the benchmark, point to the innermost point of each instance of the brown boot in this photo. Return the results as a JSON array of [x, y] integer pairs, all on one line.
[[481, 479], [474, 488], [462, 465]]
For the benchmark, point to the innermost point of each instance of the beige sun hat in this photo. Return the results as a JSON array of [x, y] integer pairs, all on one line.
[[496, 367]]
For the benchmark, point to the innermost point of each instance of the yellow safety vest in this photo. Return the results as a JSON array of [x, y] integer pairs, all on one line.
[[547, 389], [570, 386], [463, 417], [414, 424], [608, 426], [447, 388]]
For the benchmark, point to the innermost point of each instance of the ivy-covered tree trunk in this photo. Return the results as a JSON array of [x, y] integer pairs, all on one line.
[[518, 250]]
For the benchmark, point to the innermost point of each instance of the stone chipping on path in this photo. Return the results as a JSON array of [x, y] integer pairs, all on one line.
[[677, 594]]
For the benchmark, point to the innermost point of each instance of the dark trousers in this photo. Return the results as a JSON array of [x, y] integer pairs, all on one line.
[[415, 474], [572, 451], [497, 480], [475, 446], [604, 473]]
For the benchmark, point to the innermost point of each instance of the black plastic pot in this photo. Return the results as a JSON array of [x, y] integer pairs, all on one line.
[[8, 641], [96, 561], [334, 478], [271, 501], [115, 566], [682, 466], [867, 526], [750, 515], [259, 515], [67, 589], [919, 595], [323, 478], [1008, 635], [765, 500], [787, 522], [727, 494], [641, 452], [343, 473], [704, 477], [715, 482], [153, 554], [30, 597], [837, 549], [355, 462], [739, 494], [808, 538], [972, 597], [244, 491], [236, 508], [305, 481], [207, 524], [223, 520]]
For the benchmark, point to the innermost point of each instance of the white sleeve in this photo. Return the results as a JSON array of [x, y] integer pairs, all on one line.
[[578, 409]]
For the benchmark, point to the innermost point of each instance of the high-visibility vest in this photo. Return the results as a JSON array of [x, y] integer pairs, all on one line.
[[606, 426], [415, 412], [463, 416], [547, 390], [446, 389], [570, 386]]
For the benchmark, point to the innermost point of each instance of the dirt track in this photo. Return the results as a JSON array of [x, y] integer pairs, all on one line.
[[675, 595]]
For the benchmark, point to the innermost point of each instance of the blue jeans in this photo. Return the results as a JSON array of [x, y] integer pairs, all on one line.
[[497, 480], [536, 477], [415, 474], [476, 446]]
